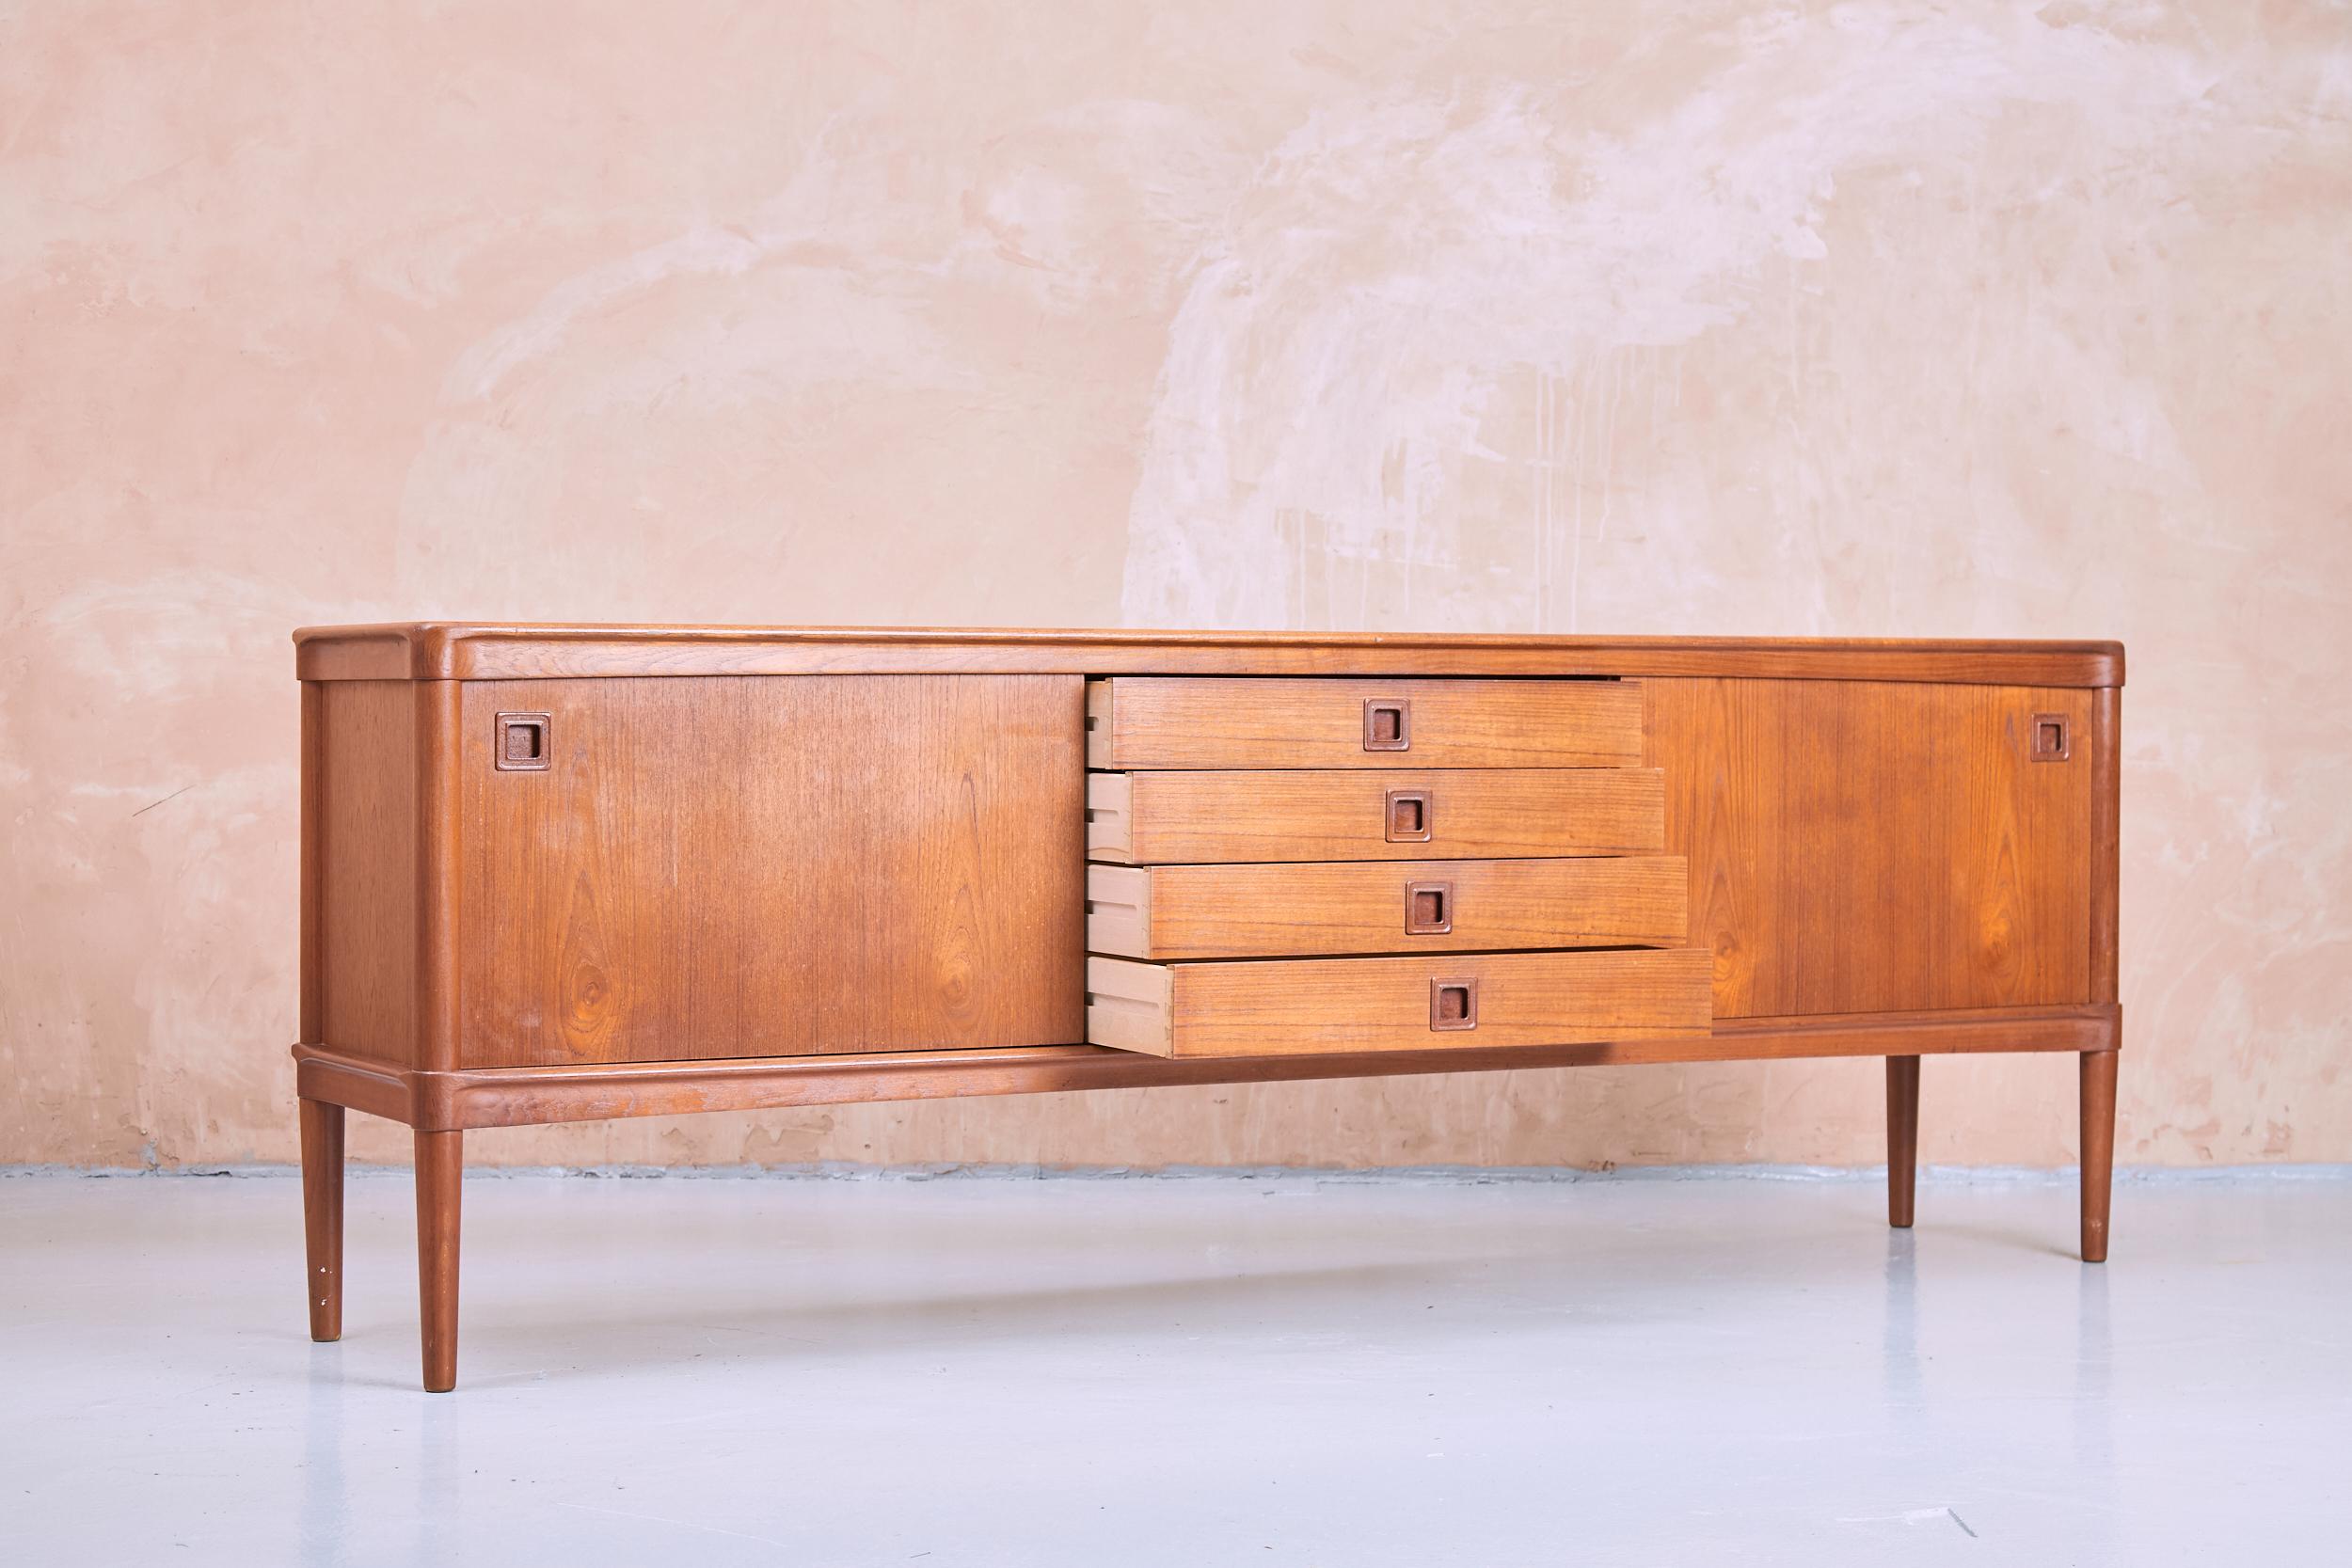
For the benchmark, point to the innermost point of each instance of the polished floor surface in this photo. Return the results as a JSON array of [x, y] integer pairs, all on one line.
[[1184, 1372]]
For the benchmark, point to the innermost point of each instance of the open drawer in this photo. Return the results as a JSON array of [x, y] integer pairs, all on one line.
[[1369, 907], [1182, 722], [1206, 817], [1305, 1006]]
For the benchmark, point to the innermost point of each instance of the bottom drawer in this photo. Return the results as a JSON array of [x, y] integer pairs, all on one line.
[[1306, 1007]]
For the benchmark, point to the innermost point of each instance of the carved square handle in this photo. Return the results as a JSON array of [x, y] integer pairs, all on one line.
[[1411, 816], [1428, 909], [521, 743], [1454, 1004]]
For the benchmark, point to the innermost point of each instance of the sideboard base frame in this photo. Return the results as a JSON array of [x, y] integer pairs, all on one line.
[[442, 1106], [537, 1096]]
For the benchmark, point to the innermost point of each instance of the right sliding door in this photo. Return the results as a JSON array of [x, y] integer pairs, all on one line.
[[1880, 847]]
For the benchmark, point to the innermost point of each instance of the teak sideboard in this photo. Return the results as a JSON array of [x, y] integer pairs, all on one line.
[[559, 873]]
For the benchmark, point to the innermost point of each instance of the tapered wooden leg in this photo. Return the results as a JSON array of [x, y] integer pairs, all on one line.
[[440, 1164], [2098, 1111], [1902, 1138], [322, 1217]]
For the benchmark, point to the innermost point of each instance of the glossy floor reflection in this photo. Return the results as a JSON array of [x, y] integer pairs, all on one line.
[[1197, 1371]]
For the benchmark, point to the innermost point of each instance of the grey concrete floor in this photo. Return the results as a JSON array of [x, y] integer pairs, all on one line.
[[1191, 1371]]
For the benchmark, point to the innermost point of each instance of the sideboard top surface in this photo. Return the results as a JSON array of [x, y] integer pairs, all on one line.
[[459, 650]]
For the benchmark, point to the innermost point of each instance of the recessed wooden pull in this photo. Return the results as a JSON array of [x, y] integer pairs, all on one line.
[[1387, 725], [1428, 907], [2052, 742], [1454, 1004], [1411, 816], [521, 743]]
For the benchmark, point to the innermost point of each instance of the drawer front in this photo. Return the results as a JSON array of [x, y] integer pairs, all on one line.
[[1359, 814], [1144, 721], [1306, 1007], [1241, 911]]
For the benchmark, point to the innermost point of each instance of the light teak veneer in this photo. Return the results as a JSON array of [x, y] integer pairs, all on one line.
[[1343, 1006], [1293, 911], [1402, 814], [556, 873]]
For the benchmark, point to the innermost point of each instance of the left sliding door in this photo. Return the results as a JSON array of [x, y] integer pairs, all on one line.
[[671, 868]]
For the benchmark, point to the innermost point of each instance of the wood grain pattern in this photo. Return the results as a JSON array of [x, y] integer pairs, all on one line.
[[1902, 1139], [440, 888], [758, 867], [1866, 847], [1277, 1007], [361, 830], [322, 1135], [1340, 813], [521, 1096], [442, 650], [1119, 910], [384, 1089], [2096, 1075], [1131, 1006], [311, 1020], [1145, 721], [440, 1187], [389, 653], [1241, 911], [2107, 822]]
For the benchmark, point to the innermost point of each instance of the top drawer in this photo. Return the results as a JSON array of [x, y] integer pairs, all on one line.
[[1213, 722]]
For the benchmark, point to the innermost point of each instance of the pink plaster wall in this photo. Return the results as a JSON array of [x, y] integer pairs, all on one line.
[[1709, 317]]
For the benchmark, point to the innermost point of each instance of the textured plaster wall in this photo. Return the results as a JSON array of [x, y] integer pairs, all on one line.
[[1729, 317]]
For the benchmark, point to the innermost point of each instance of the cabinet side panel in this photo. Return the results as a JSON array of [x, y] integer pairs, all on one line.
[[773, 865], [2106, 815], [362, 835], [1866, 847], [311, 1022]]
